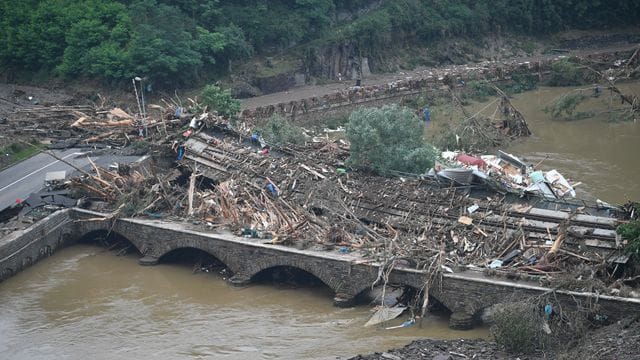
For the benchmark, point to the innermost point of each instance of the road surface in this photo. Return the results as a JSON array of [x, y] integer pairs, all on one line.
[[20, 180], [26, 177]]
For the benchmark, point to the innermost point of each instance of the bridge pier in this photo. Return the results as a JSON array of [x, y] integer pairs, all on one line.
[[342, 300], [461, 320], [148, 261], [239, 280]]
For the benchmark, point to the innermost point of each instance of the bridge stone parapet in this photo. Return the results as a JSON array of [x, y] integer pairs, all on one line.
[[465, 293], [24, 248]]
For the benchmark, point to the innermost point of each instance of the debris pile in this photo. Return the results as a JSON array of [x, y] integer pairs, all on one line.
[[67, 126], [477, 132], [504, 173], [304, 196]]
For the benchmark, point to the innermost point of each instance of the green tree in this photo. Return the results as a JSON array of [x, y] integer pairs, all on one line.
[[219, 100], [97, 43], [389, 139]]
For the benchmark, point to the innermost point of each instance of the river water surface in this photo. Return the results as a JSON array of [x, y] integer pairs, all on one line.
[[601, 153], [84, 302]]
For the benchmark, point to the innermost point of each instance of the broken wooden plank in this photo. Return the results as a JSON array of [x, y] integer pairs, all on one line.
[[620, 259], [207, 163], [600, 243], [549, 213], [556, 244], [596, 220], [312, 171], [192, 187], [604, 233]]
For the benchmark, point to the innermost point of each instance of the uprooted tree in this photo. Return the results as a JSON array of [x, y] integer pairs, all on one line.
[[389, 139], [478, 132]]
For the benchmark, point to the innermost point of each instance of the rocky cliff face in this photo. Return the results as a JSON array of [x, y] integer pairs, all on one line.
[[338, 62]]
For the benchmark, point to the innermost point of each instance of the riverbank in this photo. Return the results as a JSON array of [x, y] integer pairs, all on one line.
[[619, 341]]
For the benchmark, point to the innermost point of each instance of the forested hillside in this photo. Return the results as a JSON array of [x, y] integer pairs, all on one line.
[[178, 42]]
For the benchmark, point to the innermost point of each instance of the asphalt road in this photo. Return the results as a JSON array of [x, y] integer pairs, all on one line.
[[20, 180]]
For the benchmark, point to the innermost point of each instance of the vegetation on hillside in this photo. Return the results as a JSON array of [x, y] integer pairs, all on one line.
[[177, 42]]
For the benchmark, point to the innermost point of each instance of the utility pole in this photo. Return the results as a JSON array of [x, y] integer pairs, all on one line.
[[143, 111]]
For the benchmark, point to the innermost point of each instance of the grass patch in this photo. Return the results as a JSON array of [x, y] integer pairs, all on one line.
[[16, 152], [272, 67]]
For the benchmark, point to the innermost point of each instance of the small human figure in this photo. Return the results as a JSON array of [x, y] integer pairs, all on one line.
[[597, 91], [427, 114]]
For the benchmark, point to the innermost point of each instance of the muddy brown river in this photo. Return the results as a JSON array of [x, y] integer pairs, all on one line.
[[84, 302], [602, 154]]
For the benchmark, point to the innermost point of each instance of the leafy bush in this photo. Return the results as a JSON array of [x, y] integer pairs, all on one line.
[[278, 131], [521, 83], [479, 90], [631, 232], [389, 139], [568, 73], [219, 100], [335, 122]]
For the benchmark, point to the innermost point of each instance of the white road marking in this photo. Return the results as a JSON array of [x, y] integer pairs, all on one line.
[[38, 170]]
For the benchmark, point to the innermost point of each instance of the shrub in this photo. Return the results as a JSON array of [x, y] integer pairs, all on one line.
[[389, 139], [568, 73], [219, 100], [631, 232], [518, 325], [278, 131]]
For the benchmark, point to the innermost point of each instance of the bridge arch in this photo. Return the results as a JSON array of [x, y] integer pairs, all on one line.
[[109, 238], [175, 248], [194, 256], [288, 274], [337, 285]]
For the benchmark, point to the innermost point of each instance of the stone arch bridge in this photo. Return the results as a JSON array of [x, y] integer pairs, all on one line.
[[464, 293]]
